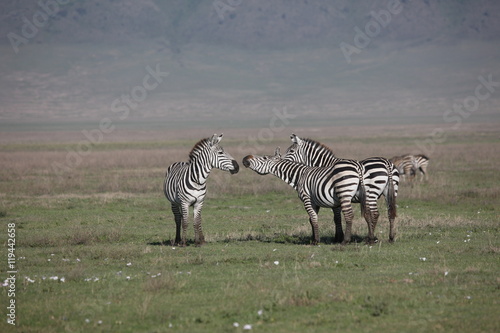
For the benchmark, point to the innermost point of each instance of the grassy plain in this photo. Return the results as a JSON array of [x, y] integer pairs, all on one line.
[[104, 228]]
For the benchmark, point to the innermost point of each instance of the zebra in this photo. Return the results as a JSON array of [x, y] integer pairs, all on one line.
[[421, 162], [185, 184], [380, 177], [331, 187], [406, 165]]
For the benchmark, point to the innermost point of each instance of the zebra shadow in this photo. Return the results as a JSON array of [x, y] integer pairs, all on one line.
[[300, 239], [297, 239], [170, 242]]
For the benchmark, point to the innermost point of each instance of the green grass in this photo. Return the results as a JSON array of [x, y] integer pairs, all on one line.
[[110, 239]]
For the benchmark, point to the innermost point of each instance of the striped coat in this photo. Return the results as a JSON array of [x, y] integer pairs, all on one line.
[[380, 178], [331, 187], [185, 184]]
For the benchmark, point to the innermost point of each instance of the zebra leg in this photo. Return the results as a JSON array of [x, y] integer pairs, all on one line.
[[199, 239], [177, 217], [348, 216], [185, 214], [337, 219], [312, 210]]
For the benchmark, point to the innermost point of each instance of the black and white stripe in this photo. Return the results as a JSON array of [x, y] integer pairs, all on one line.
[[185, 184], [406, 165], [331, 187], [421, 162], [380, 178]]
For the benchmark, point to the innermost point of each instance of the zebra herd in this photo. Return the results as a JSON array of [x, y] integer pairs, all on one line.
[[320, 178]]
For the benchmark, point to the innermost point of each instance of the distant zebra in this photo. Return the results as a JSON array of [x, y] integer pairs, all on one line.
[[421, 162], [380, 177], [406, 165], [185, 184], [331, 187]]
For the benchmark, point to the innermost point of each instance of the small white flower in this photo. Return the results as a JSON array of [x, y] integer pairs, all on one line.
[[260, 312], [446, 273], [99, 322], [78, 260], [128, 277], [235, 324], [55, 278], [87, 320], [247, 327], [63, 279], [468, 297], [423, 258], [276, 262], [173, 248], [438, 242], [129, 264]]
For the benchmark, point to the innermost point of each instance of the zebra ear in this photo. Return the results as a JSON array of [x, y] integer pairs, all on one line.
[[215, 139], [277, 152], [295, 139]]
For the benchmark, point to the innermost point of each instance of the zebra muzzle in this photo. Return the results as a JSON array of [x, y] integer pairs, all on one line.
[[246, 162], [236, 167]]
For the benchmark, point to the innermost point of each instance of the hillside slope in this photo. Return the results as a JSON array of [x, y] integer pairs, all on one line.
[[253, 23]]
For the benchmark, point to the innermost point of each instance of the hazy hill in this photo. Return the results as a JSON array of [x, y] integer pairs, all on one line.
[[235, 61], [252, 23]]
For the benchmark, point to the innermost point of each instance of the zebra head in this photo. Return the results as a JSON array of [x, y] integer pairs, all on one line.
[[219, 158], [296, 152], [262, 164]]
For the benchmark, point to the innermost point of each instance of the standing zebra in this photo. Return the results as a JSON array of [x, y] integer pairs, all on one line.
[[331, 187], [421, 162], [406, 165], [185, 184], [380, 177]]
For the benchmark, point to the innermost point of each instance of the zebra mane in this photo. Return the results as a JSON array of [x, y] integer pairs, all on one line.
[[318, 145], [198, 147]]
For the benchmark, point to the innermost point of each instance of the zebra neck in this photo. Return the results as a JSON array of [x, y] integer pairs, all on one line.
[[325, 158], [199, 172], [290, 172]]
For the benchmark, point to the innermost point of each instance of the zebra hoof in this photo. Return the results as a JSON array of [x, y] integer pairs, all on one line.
[[338, 239]]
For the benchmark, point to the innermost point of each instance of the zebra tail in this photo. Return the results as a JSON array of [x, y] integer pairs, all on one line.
[[391, 196], [362, 195]]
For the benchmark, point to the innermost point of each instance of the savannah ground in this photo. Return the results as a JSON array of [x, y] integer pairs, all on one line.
[[104, 229]]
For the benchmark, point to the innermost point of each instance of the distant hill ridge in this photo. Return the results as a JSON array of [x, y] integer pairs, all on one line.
[[248, 23]]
